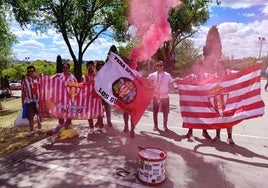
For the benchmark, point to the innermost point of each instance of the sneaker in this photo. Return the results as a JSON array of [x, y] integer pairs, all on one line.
[[40, 131], [96, 124], [31, 134], [110, 124], [125, 129], [206, 135], [155, 129], [91, 131], [132, 134], [165, 128], [230, 141], [103, 130], [66, 126], [57, 129], [189, 135], [216, 139], [50, 132]]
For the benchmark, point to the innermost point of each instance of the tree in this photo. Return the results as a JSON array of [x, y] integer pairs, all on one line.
[[185, 22], [81, 20], [187, 54], [59, 64], [212, 51], [6, 37]]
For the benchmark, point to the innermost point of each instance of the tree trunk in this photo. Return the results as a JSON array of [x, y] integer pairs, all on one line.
[[78, 70]]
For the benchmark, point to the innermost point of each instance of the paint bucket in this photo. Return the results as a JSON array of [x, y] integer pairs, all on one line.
[[152, 166]]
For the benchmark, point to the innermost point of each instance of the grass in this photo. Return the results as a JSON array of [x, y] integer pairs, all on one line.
[[15, 138]]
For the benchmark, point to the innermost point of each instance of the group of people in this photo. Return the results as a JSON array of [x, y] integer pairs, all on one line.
[[31, 93], [161, 80]]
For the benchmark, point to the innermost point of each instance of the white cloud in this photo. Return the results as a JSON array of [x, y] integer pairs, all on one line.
[[236, 4], [239, 40], [249, 15], [31, 44], [50, 44], [265, 10]]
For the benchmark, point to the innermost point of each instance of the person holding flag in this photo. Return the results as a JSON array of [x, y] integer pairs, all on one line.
[[106, 105], [96, 100], [197, 75], [126, 115], [162, 82], [220, 71], [67, 76], [124, 88], [30, 94]]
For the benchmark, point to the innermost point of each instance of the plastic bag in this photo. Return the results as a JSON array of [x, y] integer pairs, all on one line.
[[24, 111], [20, 122]]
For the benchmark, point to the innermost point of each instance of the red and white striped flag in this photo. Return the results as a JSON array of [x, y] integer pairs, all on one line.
[[221, 102], [61, 99]]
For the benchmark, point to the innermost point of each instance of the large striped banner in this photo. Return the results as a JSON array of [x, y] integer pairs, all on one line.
[[61, 99], [221, 102]]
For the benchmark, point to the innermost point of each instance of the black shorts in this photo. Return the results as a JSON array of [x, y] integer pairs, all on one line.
[[161, 105], [31, 110]]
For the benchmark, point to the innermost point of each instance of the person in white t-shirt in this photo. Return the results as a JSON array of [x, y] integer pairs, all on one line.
[[162, 82]]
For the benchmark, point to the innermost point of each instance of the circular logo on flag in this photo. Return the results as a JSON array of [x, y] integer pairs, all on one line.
[[124, 89]]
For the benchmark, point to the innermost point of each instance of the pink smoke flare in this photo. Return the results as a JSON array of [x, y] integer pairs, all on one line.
[[150, 17]]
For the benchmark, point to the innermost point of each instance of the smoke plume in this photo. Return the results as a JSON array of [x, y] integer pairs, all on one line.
[[150, 18]]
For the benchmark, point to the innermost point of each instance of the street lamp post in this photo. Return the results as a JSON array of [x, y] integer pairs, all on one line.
[[27, 59], [261, 39]]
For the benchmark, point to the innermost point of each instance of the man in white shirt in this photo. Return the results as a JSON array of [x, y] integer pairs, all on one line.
[[162, 81]]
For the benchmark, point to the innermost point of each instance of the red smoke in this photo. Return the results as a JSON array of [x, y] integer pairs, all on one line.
[[150, 17]]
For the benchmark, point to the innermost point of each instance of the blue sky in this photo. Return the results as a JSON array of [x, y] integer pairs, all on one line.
[[240, 23]]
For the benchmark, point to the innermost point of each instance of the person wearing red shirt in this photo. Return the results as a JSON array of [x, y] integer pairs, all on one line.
[[30, 97]]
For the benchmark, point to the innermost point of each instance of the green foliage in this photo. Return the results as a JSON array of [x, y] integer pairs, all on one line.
[[82, 20], [7, 39], [240, 64], [186, 55], [124, 51], [16, 71], [44, 67]]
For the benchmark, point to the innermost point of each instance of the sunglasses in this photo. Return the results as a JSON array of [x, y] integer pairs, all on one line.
[[30, 71], [66, 67]]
